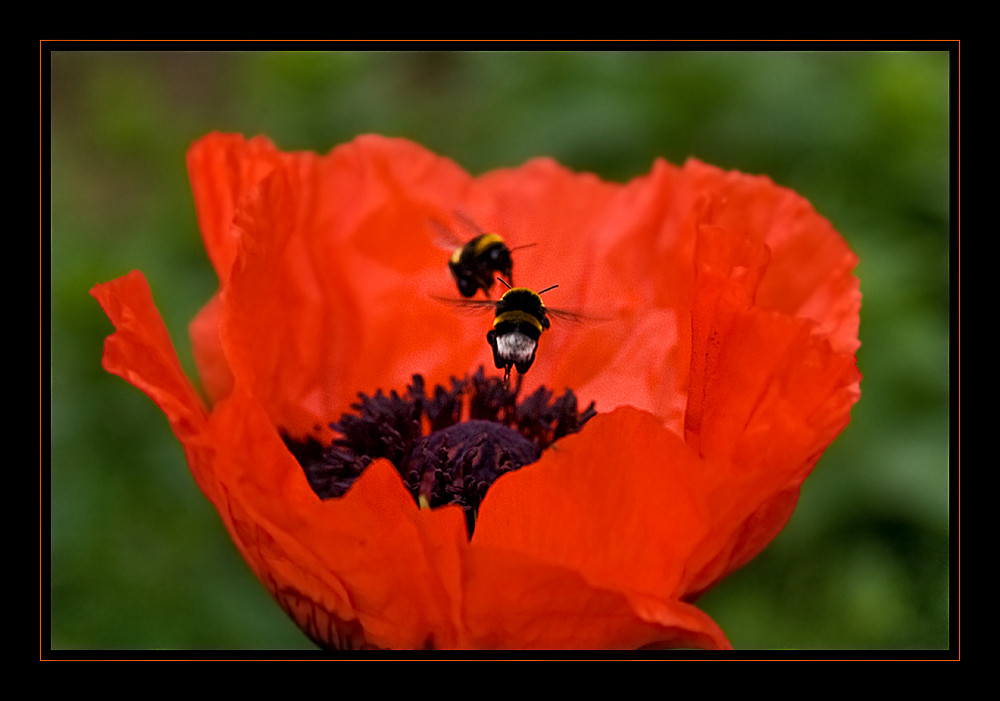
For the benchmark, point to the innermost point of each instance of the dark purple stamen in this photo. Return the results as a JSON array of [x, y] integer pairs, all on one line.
[[442, 458]]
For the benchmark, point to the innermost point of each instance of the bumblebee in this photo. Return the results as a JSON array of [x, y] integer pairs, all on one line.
[[473, 264], [519, 319]]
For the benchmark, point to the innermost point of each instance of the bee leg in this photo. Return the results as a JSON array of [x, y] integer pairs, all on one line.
[[506, 377]]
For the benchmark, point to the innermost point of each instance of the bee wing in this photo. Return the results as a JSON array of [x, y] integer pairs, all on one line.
[[445, 238], [468, 306], [574, 317], [469, 223], [448, 239], [565, 315]]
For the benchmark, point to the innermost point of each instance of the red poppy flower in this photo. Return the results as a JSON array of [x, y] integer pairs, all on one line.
[[719, 351]]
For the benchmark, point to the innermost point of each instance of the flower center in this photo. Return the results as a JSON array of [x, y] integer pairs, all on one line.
[[456, 465], [449, 447]]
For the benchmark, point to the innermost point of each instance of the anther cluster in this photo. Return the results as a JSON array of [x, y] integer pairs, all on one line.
[[449, 445]]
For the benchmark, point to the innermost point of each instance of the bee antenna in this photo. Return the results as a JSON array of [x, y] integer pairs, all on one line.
[[548, 288], [507, 284]]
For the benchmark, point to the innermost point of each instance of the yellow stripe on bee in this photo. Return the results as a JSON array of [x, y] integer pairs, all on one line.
[[517, 315], [484, 242]]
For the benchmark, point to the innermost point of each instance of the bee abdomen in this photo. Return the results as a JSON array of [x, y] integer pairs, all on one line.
[[512, 348]]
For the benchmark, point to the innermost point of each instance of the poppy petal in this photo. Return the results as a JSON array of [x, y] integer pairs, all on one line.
[[222, 169], [338, 567], [514, 601], [614, 504], [796, 392], [318, 260], [141, 351]]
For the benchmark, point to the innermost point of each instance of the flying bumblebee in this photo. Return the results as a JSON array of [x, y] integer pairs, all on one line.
[[474, 263], [519, 318]]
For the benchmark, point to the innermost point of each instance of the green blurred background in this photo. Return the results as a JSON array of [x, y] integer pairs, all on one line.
[[139, 558]]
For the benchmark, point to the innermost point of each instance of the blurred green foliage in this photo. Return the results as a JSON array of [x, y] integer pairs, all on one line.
[[140, 560]]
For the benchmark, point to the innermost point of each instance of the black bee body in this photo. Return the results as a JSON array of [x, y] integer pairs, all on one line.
[[473, 265], [518, 323]]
